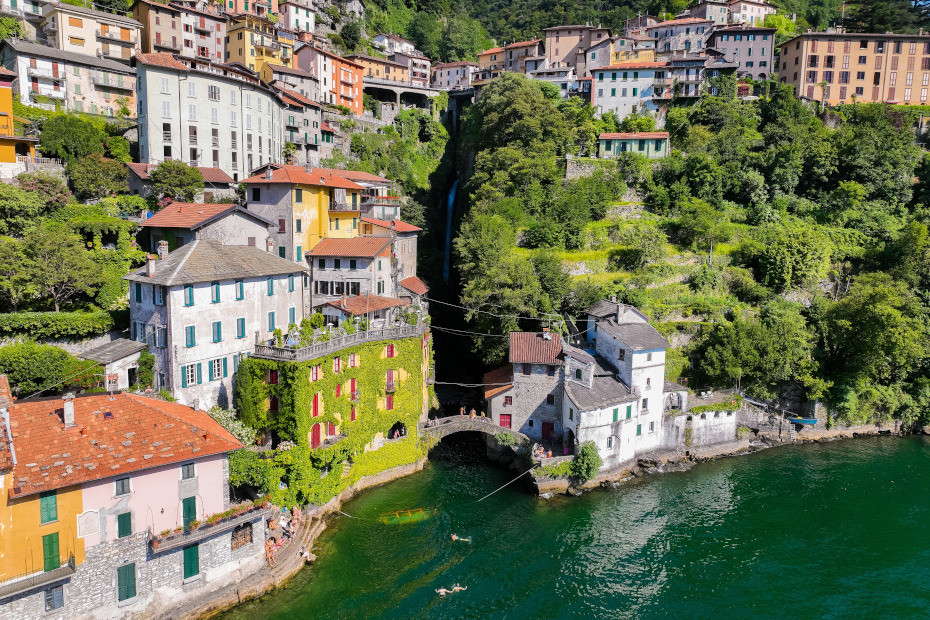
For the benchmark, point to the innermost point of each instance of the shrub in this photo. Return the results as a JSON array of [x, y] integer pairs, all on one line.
[[586, 462], [559, 470], [56, 325], [50, 187], [146, 374], [33, 368], [506, 438], [228, 420]]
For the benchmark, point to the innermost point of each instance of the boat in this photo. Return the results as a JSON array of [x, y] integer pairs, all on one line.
[[400, 517], [799, 420]]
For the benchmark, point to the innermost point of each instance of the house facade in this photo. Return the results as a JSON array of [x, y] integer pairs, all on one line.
[[391, 43], [297, 15], [453, 75], [381, 68], [751, 12], [716, 11], [624, 87], [340, 79], [566, 45], [206, 115], [751, 48], [162, 30], [182, 222], [688, 34], [653, 144], [405, 236], [254, 41], [418, 67], [216, 183], [12, 145], [80, 30], [120, 361], [49, 77], [204, 30], [351, 267], [203, 307], [292, 79]]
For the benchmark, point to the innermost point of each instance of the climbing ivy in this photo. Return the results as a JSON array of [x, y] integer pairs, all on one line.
[[296, 473], [728, 405]]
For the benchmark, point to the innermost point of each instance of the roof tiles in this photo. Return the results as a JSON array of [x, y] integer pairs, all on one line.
[[356, 247], [298, 175], [399, 226], [415, 285], [535, 348]]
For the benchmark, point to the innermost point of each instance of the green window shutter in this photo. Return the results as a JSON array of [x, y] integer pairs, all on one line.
[[629, 411], [300, 254], [189, 295], [290, 282], [292, 316], [52, 559], [123, 524], [183, 376], [210, 371], [199, 376], [188, 510], [239, 290], [138, 287], [639, 429], [48, 507], [271, 321], [270, 282], [191, 561], [224, 366], [616, 414], [126, 582]]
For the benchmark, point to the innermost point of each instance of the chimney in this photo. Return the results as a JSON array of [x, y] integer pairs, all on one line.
[[68, 417], [162, 249], [150, 260], [269, 245], [613, 299], [269, 175]]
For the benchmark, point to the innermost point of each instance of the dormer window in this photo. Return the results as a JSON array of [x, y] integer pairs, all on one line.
[[578, 374]]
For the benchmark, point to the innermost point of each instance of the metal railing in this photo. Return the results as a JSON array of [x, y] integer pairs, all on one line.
[[104, 80], [43, 73], [115, 36], [51, 94], [188, 537], [341, 206], [303, 354], [192, 140], [166, 136], [215, 142], [168, 46], [28, 581], [411, 83]]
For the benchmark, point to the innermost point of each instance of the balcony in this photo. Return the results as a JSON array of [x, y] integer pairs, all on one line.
[[114, 35], [193, 162], [659, 82], [270, 45], [203, 55], [341, 206], [43, 73], [203, 28], [21, 583], [235, 144], [662, 95], [166, 136], [165, 45], [312, 351], [230, 520], [390, 387], [104, 80], [51, 94], [9, 10], [50, 26]]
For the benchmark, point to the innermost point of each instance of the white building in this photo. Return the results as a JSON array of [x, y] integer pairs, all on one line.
[[716, 11], [206, 115], [453, 75], [297, 15], [676, 35], [391, 43], [750, 12], [203, 307], [624, 87]]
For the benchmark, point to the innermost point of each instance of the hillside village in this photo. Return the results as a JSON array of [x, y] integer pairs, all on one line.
[[219, 242]]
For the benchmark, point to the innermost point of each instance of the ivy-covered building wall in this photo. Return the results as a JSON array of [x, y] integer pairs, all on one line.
[[332, 419]]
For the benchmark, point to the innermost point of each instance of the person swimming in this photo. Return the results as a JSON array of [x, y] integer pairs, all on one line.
[[442, 591], [459, 588], [458, 538]]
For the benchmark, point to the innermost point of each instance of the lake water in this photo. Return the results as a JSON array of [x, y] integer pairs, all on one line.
[[832, 530]]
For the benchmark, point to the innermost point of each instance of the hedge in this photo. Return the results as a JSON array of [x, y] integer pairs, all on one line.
[[56, 325]]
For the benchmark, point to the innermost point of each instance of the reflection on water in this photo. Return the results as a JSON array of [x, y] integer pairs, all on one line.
[[804, 531]]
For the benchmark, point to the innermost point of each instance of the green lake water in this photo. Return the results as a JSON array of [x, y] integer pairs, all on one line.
[[832, 530]]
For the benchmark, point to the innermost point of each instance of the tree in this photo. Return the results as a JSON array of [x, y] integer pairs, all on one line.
[[19, 209], [289, 152], [351, 34], [50, 187], [794, 256], [95, 176], [117, 147], [10, 29], [15, 277], [59, 265], [482, 241], [553, 278], [882, 16], [705, 225], [34, 368], [426, 32], [176, 180], [586, 463], [70, 137]]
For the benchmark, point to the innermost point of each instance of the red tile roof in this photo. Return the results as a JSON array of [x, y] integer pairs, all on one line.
[[533, 348], [493, 50], [458, 63], [5, 71], [681, 22], [634, 65], [363, 304], [298, 175], [327, 127], [125, 434], [161, 59], [210, 175], [297, 97], [649, 135], [399, 226], [415, 285], [192, 215], [498, 381], [361, 247], [522, 44]]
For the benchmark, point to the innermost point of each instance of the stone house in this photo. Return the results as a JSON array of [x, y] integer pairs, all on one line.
[[688, 34], [413, 290], [381, 68], [404, 252], [292, 79], [77, 82], [182, 222], [526, 395], [418, 67], [717, 11], [91, 515], [120, 361], [380, 197], [80, 30], [204, 306], [453, 75], [351, 267], [206, 115], [624, 87], [303, 126], [217, 185], [652, 144], [751, 48], [204, 28]]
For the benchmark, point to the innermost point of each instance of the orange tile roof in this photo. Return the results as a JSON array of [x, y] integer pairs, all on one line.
[[210, 175], [363, 304], [125, 434], [399, 226], [415, 285], [498, 381], [522, 44], [533, 348], [161, 59], [493, 50], [632, 136], [358, 175], [5, 71], [287, 93], [193, 215], [361, 247], [680, 22], [634, 65], [298, 175], [327, 128]]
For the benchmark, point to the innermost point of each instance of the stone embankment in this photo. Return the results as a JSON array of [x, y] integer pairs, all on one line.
[[289, 562]]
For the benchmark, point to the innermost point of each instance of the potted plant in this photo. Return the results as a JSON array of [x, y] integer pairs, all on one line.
[[193, 525], [164, 533]]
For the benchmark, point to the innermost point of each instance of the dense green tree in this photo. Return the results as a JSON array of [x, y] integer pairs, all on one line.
[[70, 137], [706, 226], [59, 266], [553, 278], [176, 180], [426, 32], [15, 277], [882, 16], [793, 256], [351, 34], [96, 176], [10, 28], [35, 368], [19, 209], [483, 241]]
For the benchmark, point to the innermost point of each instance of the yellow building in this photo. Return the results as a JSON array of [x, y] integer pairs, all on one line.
[[254, 41], [306, 204], [11, 145]]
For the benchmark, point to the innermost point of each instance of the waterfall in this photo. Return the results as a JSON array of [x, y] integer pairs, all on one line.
[[450, 205]]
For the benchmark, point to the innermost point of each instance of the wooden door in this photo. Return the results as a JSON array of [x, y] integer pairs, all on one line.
[[548, 428], [505, 420]]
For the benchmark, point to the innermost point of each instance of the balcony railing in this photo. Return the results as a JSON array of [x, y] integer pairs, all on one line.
[[215, 142], [43, 73], [111, 35], [28, 581], [166, 136], [189, 536], [51, 94], [168, 46], [235, 144], [271, 45], [341, 206], [9, 10], [192, 139], [324, 348], [26, 159], [50, 26]]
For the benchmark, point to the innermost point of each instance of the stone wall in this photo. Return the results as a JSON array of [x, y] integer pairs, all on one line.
[[577, 168]]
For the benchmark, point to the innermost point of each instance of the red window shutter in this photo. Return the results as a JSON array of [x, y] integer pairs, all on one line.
[[352, 384], [281, 226], [315, 436], [274, 403], [273, 377], [332, 429], [389, 402], [353, 414], [316, 404], [338, 389]]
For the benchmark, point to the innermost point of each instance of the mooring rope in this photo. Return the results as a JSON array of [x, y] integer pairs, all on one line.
[[511, 482]]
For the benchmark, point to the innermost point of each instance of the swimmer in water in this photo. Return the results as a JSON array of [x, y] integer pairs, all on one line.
[[442, 591], [458, 538], [458, 588]]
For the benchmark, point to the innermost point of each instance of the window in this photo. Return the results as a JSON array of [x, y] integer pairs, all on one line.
[[571, 414], [610, 442], [550, 399], [639, 430], [578, 374], [256, 194], [216, 369], [50, 554], [160, 295], [269, 285], [161, 337], [525, 369], [48, 507], [126, 582], [550, 371], [292, 316], [54, 598], [240, 327], [271, 321], [191, 561], [190, 336], [629, 411], [123, 524], [622, 354], [290, 283], [187, 471], [337, 263], [137, 288], [190, 375], [188, 294], [649, 357], [645, 404], [121, 487], [616, 414], [321, 264], [392, 351], [652, 427]]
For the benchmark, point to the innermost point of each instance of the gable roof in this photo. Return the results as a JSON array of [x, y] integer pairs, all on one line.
[[399, 226], [415, 285], [163, 60], [43, 51], [298, 175], [123, 434], [206, 260], [522, 44], [498, 381], [360, 247], [115, 350], [363, 304], [210, 175], [534, 348], [649, 135], [606, 390], [289, 71], [637, 336], [194, 215], [359, 176]]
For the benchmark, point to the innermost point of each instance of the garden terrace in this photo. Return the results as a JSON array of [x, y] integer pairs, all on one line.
[[303, 354]]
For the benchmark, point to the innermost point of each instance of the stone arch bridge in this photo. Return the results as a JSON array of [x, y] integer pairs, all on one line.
[[443, 427]]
